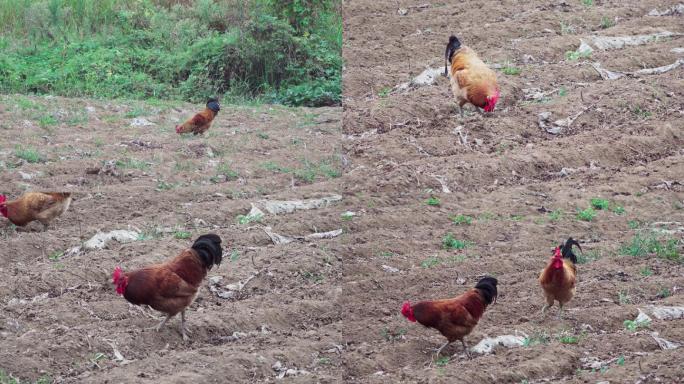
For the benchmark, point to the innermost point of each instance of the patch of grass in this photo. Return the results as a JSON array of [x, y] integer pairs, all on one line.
[[433, 201], [47, 120], [131, 163], [430, 262], [618, 210], [234, 255], [569, 339], [624, 298], [510, 69], [607, 22], [442, 361], [536, 339], [461, 219], [263, 136], [517, 217], [555, 215], [246, 219], [384, 92], [566, 29], [586, 215], [347, 216], [588, 3], [315, 277], [165, 186], [643, 245], [576, 55], [588, 256], [634, 224], [182, 235], [562, 92], [632, 325], [54, 256], [641, 112], [486, 216], [646, 271], [28, 154], [598, 203], [137, 111], [620, 361], [663, 293], [387, 254], [225, 170], [449, 242]]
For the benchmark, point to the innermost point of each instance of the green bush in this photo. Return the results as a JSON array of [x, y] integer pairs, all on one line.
[[258, 49]]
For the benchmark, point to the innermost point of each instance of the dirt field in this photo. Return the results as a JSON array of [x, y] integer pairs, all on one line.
[[520, 185], [331, 307], [60, 315]]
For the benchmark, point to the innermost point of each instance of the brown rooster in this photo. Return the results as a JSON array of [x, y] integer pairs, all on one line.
[[472, 81], [559, 276], [172, 286], [201, 122], [31, 206], [454, 318]]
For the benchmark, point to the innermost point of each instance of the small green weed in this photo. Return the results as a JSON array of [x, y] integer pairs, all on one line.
[[639, 111], [511, 70], [131, 163], [588, 3], [391, 336], [54, 256], [347, 216], [586, 215], [165, 186], [433, 201], [181, 235], [618, 210], [555, 215], [47, 120], [462, 219], [562, 92], [234, 255], [598, 203], [536, 339], [442, 361], [430, 262], [575, 55], [663, 293], [624, 298], [641, 246], [384, 92], [588, 256], [449, 242], [621, 360], [646, 271], [246, 219], [633, 224], [28, 154], [569, 339], [607, 22], [632, 325], [263, 136]]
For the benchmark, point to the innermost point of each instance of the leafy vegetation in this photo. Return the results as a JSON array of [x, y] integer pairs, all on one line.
[[278, 51], [598, 203], [633, 325], [644, 245], [450, 242], [587, 214], [433, 201], [462, 219]]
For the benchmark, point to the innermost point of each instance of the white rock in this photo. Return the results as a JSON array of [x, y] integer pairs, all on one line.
[[100, 240], [140, 122], [667, 313], [389, 269], [488, 344]]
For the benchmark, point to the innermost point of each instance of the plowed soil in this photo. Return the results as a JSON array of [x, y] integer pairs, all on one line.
[[519, 186]]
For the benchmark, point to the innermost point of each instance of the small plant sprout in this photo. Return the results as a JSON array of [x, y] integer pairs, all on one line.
[[555, 215], [664, 293], [587, 214], [430, 262], [461, 219], [449, 242], [234, 255], [624, 298], [633, 325], [646, 271], [607, 22], [621, 360], [246, 219], [182, 235], [510, 69], [347, 216], [433, 201], [442, 361], [598, 203]]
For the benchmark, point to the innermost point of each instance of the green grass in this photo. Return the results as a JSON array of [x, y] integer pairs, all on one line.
[[433, 201], [347, 216], [536, 339], [624, 298], [586, 215], [286, 52], [618, 209], [575, 55], [607, 22], [664, 293], [449, 242], [442, 361], [6, 378], [246, 219], [639, 111], [646, 271], [632, 325], [234, 255], [511, 70], [182, 235], [47, 120], [555, 215], [562, 92], [131, 163], [588, 3], [430, 262], [569, 339], [28, 154], [384, 92], [54, 256], [598, 203], [588, 256], [461, 219], [641, 245]]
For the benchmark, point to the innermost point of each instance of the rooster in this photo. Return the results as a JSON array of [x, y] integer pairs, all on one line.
[[454, 318], [471, 80], [172, 286], [559, 276], [201, 122], [31, 206]]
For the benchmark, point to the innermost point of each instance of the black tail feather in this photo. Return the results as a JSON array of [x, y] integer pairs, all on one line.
[[453, 45], [566, 250], [209, 249]]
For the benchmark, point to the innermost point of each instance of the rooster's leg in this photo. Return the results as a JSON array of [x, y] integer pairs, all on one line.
[[158, 327], [184, 329], [465, 348], [560, 312], [440, 348]]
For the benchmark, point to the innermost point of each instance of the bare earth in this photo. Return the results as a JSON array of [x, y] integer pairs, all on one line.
[[71, 319], [627, 147], [328, 310]]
